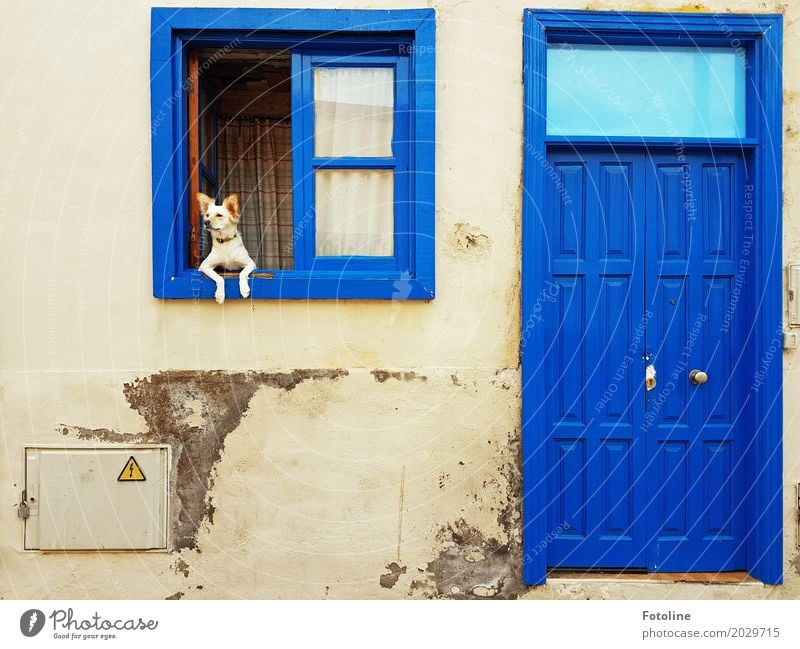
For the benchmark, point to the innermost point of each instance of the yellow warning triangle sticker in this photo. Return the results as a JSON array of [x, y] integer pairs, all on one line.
[[131, 472]]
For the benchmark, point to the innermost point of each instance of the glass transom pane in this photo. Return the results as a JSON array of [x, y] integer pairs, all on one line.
[[354, 212], [632, 90], [353, 112]]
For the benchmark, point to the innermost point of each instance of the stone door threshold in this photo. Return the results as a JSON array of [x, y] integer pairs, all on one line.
[[738, 577]]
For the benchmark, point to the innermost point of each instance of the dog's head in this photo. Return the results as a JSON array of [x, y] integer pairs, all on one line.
[[219, 217]]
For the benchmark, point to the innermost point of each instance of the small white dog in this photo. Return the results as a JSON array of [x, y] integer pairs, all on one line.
[[228, 248]]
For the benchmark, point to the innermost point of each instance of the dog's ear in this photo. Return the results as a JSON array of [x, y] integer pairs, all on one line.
[[232, 205], [205, 202]]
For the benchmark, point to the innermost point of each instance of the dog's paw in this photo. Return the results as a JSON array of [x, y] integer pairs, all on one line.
[[219, 296], [244, 289]]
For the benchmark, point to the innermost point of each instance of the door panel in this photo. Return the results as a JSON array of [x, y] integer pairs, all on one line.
[[688, 286], [643, 256], [594, 325]]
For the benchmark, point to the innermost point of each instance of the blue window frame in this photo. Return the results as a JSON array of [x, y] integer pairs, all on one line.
[[760, 39], [309, 163], [402, 41]]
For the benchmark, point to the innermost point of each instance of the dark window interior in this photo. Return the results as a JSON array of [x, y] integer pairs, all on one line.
[[245, 146]]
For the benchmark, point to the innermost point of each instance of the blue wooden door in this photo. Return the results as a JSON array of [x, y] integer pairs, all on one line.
[[697, 254], [594, 327], [643, 255]]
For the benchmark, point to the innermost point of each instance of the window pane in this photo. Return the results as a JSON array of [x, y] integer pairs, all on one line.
[[354, 212], [353, 111], [645, 91]]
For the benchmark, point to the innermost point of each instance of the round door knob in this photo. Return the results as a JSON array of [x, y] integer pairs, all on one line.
[[698, 377]]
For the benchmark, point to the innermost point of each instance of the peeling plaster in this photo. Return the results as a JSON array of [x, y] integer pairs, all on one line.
[[472, 565], [182, 566], [193, 412], [509, 516], [795, 563], [475, 567], [389, 579], [381, 376], [103, 434], [467, 238], [506, 378]]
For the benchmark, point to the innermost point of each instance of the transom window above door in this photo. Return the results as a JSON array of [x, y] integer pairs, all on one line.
[[645, 91]]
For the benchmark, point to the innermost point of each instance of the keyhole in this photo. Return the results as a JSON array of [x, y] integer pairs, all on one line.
[[673, 301]]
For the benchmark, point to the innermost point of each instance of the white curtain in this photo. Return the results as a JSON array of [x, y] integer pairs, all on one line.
[[353, 111], [354, 116], [355, 212]]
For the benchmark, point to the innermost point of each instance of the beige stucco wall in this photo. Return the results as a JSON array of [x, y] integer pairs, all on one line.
[[327, 479]]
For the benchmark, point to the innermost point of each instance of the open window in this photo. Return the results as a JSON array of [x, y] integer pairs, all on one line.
[[240, 141], [326, 135]]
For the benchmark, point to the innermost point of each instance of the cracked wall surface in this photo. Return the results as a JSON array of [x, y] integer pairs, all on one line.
[[391, 468]]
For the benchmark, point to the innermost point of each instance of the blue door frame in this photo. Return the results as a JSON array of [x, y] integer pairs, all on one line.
[[760, 36]]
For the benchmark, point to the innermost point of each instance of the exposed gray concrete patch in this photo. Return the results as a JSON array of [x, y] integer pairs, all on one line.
[[484, 591], [474, 556], [193, 412], [472, 566], [390, 578], [381, 376], [795, 563], [459, 572], [422, 586]]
